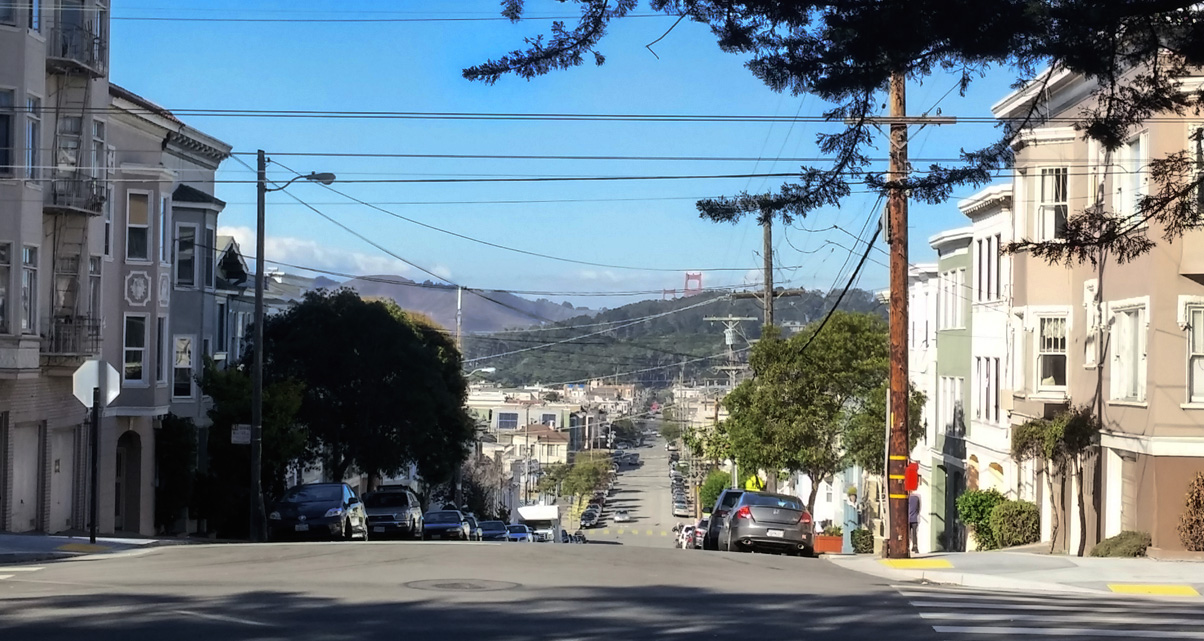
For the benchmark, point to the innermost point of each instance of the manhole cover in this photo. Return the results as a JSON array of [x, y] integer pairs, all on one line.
[[461, 585]]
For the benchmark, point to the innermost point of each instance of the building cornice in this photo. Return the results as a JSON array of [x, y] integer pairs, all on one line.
[[950, 236], [996, 195]]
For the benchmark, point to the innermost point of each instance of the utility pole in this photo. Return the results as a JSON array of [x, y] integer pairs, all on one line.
[[730, 323], [767, 251], [257, 520], [900, 388], [459, 318]]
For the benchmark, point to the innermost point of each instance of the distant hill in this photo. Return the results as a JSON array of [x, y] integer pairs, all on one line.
[[501, 311], [679, 333]]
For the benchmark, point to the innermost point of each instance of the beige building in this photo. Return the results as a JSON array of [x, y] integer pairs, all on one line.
[[1131, 336], [53, 148]]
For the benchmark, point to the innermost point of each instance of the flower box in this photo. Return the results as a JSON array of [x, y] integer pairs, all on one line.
[[828, 544]]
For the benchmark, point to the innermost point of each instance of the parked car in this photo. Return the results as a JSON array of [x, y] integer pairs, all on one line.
[[445, 524], [474, 529], [723, 505], [700, 531], [520, 533], [493, 531], [760, 520], [393, 513], [686, 533], [681, 509], [564, 537], [318, 510], [579, 537], [622, 517]]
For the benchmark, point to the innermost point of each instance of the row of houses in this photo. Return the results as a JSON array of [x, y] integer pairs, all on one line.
[[999, 339], [108, 248]]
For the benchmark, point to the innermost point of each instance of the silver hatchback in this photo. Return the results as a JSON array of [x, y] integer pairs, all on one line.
[[770, 522]]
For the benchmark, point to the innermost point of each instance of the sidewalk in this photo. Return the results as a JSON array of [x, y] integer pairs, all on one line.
[[30, 548], [1039, 572]]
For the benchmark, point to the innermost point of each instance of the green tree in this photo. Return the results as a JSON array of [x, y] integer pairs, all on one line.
[[383, 388], [715, 482], [805, 391], [671, 430], [625, 430], [222, 494], [1134, 54], [865, 438], [175, 459]]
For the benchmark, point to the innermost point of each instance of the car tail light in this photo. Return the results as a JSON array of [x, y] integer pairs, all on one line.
[[744, 513], [804, 517]]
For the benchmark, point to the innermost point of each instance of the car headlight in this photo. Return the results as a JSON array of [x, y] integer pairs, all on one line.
[[334, 512], [274, 516]]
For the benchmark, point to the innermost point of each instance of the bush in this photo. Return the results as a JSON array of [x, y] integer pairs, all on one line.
[[1191, 522], [974, 509], [833, 530], [1015, 523], [715, 483], [863, 541], [1125, 544]]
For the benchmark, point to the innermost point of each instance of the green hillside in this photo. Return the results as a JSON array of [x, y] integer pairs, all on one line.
[[616, 345]]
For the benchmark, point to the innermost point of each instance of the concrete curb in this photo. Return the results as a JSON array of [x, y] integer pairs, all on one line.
[[33, 557], [965, 579]]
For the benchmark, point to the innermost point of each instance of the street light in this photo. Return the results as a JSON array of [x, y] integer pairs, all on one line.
[[486, 370], [257, 523]]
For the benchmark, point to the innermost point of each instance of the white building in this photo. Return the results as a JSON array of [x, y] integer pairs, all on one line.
[[922, 286]]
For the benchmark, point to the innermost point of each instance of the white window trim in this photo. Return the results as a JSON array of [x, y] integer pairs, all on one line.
[[210, 255], [191, 368], [1039, 232], [175, 247], [15, 131], [150, 227], [166, 242], [19, 264], [1032, 320], [1183, 318], [33, 175], [166, 349], [1112, 309], [129, 382], [6, 324], [1119, 177]]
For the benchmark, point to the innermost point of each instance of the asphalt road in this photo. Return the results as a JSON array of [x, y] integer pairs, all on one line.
[[644, 493], [414, 590]]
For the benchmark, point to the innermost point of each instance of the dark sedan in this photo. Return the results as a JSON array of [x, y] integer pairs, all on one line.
[[445, 524], [318, 510], [493, 531], [723, 504], [771, 522]]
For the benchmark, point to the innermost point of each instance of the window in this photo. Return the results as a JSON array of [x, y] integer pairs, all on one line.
[[507, 420], [986, 372], [210, 252], [979, 257], [1128, 354], [164, 349], [98, 164], [952, 298], [137, 235], [29, 290], [207, 346], [33, 138], [108, 214], [135, 348], [1195, 354], [8, 13], [70, 133], [548, 419], [1051, 353], [951, 413], [987, 266], [997, 291], [186, 256], [182, 367], [223, 321], [1131, 185], [6, 129], [6, 265], [35, 15], [1053, 208], [94, 289], [164, 225]]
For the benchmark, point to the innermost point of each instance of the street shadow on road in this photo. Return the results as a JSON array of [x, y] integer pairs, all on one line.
[[459, 611]]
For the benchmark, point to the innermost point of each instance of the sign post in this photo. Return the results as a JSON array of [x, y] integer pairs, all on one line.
[[96, 384]]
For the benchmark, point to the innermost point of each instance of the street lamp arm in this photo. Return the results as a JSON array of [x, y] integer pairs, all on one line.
[[324, 178]]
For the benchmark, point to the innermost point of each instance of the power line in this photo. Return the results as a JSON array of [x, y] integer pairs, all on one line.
[[133, 18]]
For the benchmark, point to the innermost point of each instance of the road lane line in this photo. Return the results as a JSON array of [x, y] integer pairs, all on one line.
[[1138, 617], [221, 617], [1038, 606], [1151, 588], [5, 576], [22, 568], [1069, 632]]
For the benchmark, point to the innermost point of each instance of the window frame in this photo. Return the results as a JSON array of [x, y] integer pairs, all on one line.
[[165, 225], [147, 229], [29, 303], [126, 349], [209, 264], [176, 367], [507, 414], [162, 352], [177, 239], [1039, 351], [1047, 227], [6, 275], [1129, 343], [32, 162], [95, 287], [8, 113], [1195, 354], [1133, 173]]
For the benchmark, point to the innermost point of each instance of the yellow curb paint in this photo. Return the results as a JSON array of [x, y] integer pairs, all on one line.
[[606, 531], [82, 547], [663, 533], [917, 564], [1152, 588]]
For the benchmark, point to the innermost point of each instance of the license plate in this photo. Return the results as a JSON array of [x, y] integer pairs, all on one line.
[[378, 529], [302, 527], [777, 534]]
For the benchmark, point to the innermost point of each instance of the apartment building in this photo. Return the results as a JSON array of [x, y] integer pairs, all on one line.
[[922, 286], [954, 330], [53, 164], [1128, 338]]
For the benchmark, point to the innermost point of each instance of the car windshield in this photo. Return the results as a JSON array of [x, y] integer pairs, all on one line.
[[730, 498], [442, 517], [492, 525], [517, 529], [386, 499], [314, 494], [772, 500]]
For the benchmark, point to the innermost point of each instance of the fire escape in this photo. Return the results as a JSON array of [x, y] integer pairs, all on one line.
[[75, 180]]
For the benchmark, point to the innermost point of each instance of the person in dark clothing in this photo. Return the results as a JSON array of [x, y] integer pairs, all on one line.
[[913, 521]]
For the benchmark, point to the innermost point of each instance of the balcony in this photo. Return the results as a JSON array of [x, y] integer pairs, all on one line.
[[75, 48], [75, 192], [72, 338]]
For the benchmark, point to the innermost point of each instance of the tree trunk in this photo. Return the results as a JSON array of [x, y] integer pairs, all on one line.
[[1054, 513], [811, 498], [1078, 475], [771, 482]]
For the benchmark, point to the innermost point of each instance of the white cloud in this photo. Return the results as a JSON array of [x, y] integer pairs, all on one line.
[[310, 253]]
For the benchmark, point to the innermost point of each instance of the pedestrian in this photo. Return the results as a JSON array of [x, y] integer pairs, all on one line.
[[913, 521]]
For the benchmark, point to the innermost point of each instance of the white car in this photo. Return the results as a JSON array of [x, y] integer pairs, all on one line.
[[681, 509], [519, 533], [685, 537], [622, 517]]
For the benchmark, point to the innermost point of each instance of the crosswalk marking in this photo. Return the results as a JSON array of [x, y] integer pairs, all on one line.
[[961, 614], [23, 568], [5, 576]]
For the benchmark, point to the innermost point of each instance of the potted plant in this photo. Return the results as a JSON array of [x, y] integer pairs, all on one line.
[[831, 541]]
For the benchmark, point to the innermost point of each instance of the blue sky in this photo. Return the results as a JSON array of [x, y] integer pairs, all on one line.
[[415, 66]]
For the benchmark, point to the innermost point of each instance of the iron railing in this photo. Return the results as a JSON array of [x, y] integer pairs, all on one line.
[[76, 190], [72, 336], [76, 45]]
